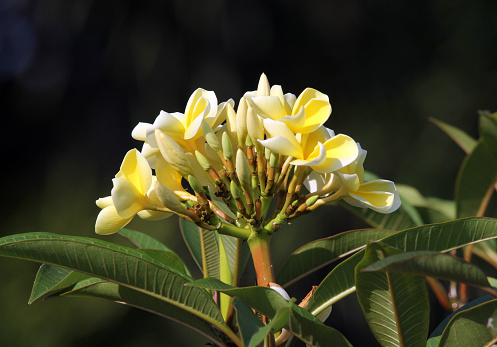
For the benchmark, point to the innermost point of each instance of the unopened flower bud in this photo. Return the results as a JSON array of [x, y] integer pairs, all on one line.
[[173, 154], [195, 184], [169, 199], [227, 146], [254, 125], [241, 120], [312, 200], [243, 169], [203, 161], [235, 191], [263, 89], [210, 136]]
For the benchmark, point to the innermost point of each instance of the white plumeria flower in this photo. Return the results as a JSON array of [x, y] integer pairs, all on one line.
[[322, 149]]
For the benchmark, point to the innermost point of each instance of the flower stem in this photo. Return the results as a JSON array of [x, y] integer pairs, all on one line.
[[261, 256]]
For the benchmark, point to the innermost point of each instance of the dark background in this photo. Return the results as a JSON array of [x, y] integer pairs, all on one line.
[[77, 76]]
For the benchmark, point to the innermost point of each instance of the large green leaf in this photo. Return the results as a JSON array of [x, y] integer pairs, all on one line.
[[436, 335], [395, 305], [474, 327], [267, 301], [466, 142], [252, 330], [441, 237], [433, 264], [53, 278], [203, 245], [142, 240], [97, 288], [405, 217], [320, 253], [475, 180], [122, 265]]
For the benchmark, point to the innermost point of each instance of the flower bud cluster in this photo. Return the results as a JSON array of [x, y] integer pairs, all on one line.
[[213, 164]]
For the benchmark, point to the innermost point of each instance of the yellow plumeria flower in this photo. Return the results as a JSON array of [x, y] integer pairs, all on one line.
[[302, 115], [322, 149], [379, 195], [185, 128], [132, 193]]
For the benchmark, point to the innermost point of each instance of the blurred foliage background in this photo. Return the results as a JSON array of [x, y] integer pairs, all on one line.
[[77, 76]]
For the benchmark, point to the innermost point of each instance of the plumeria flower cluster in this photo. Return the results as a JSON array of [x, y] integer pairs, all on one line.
[[217, 166]]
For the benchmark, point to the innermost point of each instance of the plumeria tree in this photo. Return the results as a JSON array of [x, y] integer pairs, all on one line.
[[234, 177]]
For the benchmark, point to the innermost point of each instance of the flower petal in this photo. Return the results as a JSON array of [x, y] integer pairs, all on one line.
[[315, 181], [140, 131], [153, 215], [127, 199], [316, 160], [317, 113], [167, 122], [135, 169], [306, 96], [275, 129], [296, 122], [269, 107], [341, 150], [379, 195], [282, 145], [108, 221]]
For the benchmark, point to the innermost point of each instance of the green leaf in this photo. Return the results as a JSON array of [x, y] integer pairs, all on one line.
[[53, 278], [488, 130], [475, 180], [466, 142], [405, 217], [471, 327], [142, 240], [395, 305], [231, 245], [97, 288], [433, 264], [436, 335], [168, 259], [252, 330], [203, 245], [431, 210], [434, 237], [122, 265], [267, 301], [320, 253]]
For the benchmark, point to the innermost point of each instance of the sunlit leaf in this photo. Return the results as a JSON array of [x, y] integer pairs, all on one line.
[[122, 265], [395, 305], [434, 237], [433, 264], [466, 142], [320, 253]]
